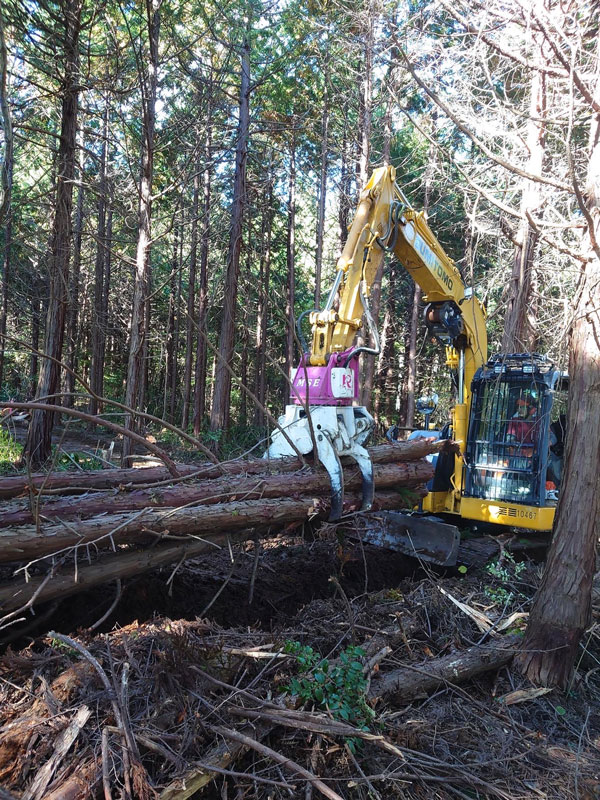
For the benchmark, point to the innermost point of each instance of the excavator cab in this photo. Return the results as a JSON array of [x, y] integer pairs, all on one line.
[[508, 457]]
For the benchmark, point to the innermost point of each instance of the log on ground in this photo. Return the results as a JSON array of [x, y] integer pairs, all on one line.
[[66, 482], [218, 490], [410, 683], [239, 519]]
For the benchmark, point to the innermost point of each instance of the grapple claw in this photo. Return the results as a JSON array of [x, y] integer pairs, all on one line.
[[338, 431], [362, 458], [330, 460]]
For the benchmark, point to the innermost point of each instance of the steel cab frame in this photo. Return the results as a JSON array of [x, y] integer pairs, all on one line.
[[506, 456]]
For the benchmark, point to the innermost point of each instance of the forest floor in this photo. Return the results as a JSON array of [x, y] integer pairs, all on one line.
[[198, 665]]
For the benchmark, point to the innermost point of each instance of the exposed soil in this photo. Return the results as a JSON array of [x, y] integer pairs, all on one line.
[[290, 574]]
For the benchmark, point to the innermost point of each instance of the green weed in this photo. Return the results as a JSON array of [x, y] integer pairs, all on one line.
[[505, 570], [10, 452], [341, 688]]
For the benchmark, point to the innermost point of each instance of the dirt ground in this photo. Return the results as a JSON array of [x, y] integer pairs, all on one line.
[[180, 649]]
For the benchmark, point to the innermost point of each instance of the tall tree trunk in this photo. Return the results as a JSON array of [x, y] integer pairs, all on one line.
[[411, 383], [291, 270], [6, 157], [260, 362], [39, 439], [411, 366], [191, 295], [4, 291], [136, 362], [366, 97], [219, 417], [6, 182], [562, 607], [35, 335], [177, 331], [170, 379], [344, 206], [104, 319], [98, 316], [73, 310], [520, 333], [322, 190], [201, 347], [387, 375]]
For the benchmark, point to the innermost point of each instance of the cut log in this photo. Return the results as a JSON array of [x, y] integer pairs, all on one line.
[[25, 542], [409, 683], [239, 519], [220, 490], [111, 478]]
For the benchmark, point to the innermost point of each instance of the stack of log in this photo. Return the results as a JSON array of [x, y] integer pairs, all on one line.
[[72, 532]]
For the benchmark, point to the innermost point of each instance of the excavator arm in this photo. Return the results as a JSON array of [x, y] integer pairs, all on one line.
[[323, 415]]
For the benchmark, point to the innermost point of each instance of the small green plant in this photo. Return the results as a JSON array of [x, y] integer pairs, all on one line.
[[85, 461], [505, 570], [340, 688], [62, 647], [10, 452]]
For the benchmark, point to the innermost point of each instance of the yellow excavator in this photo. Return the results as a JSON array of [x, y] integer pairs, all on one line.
[[506, 418]]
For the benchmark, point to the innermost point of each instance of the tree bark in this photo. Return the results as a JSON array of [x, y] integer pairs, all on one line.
[[135, 364], [6, 182], [98, 315], [562, 607], [6, 158], [201, 348], [414, 682], [219, 418], [217, 490], [322, 187], [105, 479], [170, 373], [215, 524], [411, 381], [73, 310], [39, 439], [260, 359], [520, 334], [191, 294], [291, 275]]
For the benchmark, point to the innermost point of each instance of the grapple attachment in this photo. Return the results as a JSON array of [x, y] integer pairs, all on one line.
[[334, 432]]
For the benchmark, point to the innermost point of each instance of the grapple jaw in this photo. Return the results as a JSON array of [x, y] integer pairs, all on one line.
[[335, 431]]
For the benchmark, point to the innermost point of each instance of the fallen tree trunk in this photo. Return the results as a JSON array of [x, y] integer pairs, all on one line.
[[410, 683], [219, 490], [284, 501], [202, 522], [111, 478]]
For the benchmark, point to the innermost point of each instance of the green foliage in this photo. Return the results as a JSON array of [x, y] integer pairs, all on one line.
[[81, 460], [339, 688], [10, 452], [505, 570]]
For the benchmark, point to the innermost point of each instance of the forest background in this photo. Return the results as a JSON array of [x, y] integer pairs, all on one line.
[[177, 180]]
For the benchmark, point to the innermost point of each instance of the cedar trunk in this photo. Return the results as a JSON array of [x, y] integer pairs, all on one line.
[[98, 316], [520, 319], [39, 439], [562, 606], [135, 364], [219, 418]]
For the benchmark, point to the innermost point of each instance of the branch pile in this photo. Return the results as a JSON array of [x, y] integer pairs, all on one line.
[[74, 532], [169, 709]]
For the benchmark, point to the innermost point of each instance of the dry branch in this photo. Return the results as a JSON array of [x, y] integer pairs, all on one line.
[[412, 682]]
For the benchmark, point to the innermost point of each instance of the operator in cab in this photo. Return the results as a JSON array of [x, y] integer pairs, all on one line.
[[521, 428]]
